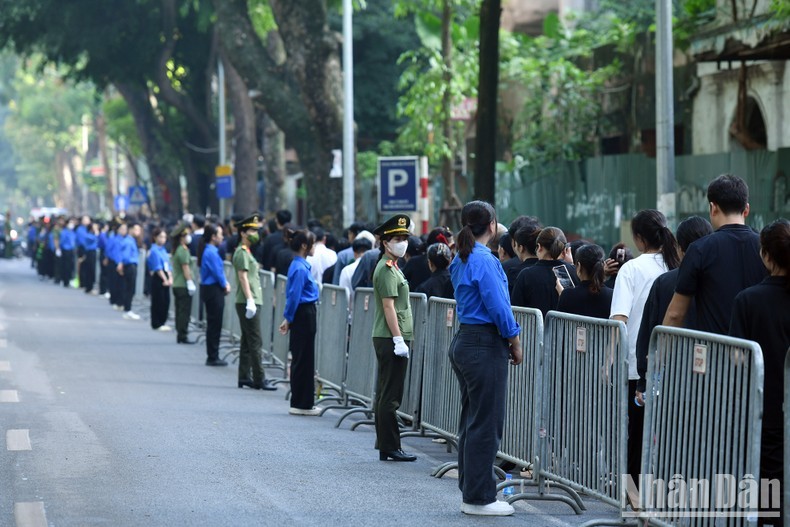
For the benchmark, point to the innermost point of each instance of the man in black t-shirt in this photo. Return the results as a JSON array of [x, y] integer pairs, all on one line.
[[718, 267]]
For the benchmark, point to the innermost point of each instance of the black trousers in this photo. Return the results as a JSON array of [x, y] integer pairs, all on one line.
[[183, 309], [88, 271], [480, 357], [636, 425], [772, 468], [128, 283], [213, 297], [389, 393], [115, 284], [303, 329], [104, 274], [64, 267], [160, 301], [250, 367]]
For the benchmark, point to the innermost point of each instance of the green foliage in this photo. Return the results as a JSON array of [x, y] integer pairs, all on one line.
[[367, 162], [262, 17], [120, 126], [781, 9]]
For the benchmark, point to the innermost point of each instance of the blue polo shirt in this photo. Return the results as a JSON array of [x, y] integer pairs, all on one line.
[[300, 288], [67, 240], [129, 254], [481, 291], [80, 233], [158, 259], [211, 268], [90, 241]]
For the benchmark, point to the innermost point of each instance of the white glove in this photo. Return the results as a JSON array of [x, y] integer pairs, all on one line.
[[191, 287], [58, 253], [251, 308], [401, 349]]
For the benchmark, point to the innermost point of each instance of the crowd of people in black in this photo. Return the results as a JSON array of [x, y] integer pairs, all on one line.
[[715, 275]]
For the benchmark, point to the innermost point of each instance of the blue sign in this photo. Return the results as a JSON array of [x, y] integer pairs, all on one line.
[[225, 188], [120, 203], [399, 182], [138, 195]]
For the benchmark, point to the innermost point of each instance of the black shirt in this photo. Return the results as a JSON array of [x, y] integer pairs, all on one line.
[[762, 313], [513, 270], [416, 271], [271, 247], [581, 301], [536, 286], [282, 260], [653, 315], [715, 269], [438, 285]]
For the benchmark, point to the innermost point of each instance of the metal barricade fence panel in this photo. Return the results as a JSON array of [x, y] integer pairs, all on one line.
[[230, 310], [332, 336], [441, 396], [139, 284], [582, 427], [703, 418], [195, 271], [267, 310], [412, 387], [361, 370], [523, 391], [280, 343]]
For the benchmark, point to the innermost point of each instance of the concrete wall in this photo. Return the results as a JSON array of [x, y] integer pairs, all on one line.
[[715, 102]]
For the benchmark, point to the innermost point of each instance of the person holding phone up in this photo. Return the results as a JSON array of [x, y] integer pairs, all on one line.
[[536, 286]]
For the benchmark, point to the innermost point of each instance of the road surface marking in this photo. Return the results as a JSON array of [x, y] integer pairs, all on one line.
[[9, 396], [5, 365], [3, 343], [30, 514], [16, 440]]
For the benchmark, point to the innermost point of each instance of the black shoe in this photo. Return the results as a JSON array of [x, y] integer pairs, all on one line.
[[246, 382], [267, 385], [216, 362], [185, 341], [396, 455]]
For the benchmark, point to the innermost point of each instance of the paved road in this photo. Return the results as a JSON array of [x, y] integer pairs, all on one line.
[[116, 425]]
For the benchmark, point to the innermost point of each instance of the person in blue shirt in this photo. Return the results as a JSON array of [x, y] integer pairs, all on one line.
[[104, 272], [79, 241], [161, 279], [487, 340], [128, 258], [67, 246], [301, 294], [112, 258], [90, 244], [213, 288], [32, 236]]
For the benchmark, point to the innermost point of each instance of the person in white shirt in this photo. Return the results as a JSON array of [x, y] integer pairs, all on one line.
[[635, 278], [323, 258], [360, 246]]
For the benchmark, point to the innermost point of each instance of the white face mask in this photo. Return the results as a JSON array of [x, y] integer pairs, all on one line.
[[188, 239], [398, 249]]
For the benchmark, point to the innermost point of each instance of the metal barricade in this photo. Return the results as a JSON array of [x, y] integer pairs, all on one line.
[[361, 370], [441, 397], [229, 312], [412, 387], [332, 342], [267, 315], [194, 313], [280, 343], [703, 424], [580, 436], [139, 283]]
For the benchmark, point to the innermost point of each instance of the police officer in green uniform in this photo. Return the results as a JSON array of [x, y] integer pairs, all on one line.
[[249, 299], [392, 334], [183, 282]]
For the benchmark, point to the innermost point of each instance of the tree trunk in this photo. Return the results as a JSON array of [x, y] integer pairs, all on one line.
[[303, 95], [488, 87], [274, 157], [109, 187], [246, 163], [448, 175]]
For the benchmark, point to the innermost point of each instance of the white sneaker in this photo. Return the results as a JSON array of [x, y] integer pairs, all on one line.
[[117, 307], [106, 295], [300, 411], [164, 328], [497, 508], [131, 315]]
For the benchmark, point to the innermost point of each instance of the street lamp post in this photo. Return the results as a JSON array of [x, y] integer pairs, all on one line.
[[348, 115], [665, 116]]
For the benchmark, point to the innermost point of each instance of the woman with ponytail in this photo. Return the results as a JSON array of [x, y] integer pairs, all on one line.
[[591, 298], [488, 339], [659, 254], [762, 313]]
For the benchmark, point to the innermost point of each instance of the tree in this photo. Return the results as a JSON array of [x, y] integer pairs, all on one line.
[[303, 94]]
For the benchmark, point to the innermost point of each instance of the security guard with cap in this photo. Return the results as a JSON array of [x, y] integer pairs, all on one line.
[[392, 334], [249, 299], [183, 282]]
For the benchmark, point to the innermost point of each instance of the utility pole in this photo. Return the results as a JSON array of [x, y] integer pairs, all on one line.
[[222, 134], [665, 116], [348, 115]]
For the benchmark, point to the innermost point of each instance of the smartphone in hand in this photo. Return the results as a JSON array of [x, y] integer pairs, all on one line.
[[620, 256], [561, 272]]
